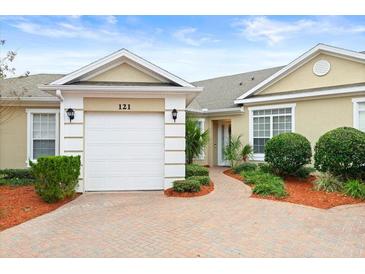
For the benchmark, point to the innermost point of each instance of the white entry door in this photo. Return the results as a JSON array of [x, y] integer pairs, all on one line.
[[124, 151], [224, 136]]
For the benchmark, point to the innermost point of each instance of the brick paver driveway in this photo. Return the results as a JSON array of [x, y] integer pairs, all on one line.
[[225, 223]]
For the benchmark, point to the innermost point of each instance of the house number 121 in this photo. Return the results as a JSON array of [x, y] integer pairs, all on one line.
[[124, 107]]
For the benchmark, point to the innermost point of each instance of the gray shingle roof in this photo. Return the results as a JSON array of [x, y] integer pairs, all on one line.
[[26, 86], [222, 91]]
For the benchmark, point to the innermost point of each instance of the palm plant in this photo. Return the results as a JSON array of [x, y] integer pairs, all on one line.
[[246, 152], [196, 140], [232, 151]]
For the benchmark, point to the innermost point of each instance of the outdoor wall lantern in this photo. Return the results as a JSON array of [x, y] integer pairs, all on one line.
[[70, 114], [174, 114]]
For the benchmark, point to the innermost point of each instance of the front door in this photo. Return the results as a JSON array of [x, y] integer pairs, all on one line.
[[224, 136]]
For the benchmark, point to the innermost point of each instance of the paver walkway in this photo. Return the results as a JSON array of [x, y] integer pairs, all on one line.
[[225, 223]]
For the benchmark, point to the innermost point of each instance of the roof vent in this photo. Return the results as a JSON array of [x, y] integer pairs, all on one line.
[[252, 78], [241, 83], [321, 67]]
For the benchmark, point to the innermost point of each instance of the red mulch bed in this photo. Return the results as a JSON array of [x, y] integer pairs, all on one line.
[[302, 192], [20, 203], [203, 191]]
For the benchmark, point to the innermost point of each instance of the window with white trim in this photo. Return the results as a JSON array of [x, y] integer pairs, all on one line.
[[42, 133], [360, 116], [268, 123]]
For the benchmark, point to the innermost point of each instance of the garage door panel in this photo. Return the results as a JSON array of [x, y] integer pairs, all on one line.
[[124, 151], [129, 183], [126, 136], [129, 153], [100, 168]]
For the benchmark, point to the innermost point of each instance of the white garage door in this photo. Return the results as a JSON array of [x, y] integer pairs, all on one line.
[[124, 151]]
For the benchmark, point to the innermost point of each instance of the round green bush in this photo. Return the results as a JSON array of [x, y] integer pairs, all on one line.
[[287, 152], [341, 152], [186, 186]]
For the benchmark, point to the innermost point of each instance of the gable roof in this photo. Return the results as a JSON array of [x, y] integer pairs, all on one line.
[[122, 54], [358, 56], [27, 86], [220, 92]]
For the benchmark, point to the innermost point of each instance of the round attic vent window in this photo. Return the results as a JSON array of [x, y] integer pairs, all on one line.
[[321, 67]]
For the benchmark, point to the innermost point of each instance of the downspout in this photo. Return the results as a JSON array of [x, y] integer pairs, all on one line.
[[61, 121]]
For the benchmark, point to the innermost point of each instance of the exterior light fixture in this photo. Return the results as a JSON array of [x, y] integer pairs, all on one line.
[[70, 114], [174, 114]]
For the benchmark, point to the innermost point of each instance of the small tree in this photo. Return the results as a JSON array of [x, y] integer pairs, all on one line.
[[196, 140]]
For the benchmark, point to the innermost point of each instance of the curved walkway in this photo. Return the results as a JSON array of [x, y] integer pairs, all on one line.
[[225, 223]]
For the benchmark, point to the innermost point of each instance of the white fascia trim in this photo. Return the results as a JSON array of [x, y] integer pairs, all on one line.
[[30, 99], [92, 88], [114, 56], [307, 94], [29, 112], [301, 59], [355, 111], [221, 110], [261, 156]]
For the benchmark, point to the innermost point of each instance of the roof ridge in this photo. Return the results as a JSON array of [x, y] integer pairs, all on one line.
[[236, 74]]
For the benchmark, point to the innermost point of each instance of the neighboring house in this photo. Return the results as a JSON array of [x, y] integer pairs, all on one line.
[[320, 90], [123, 127]]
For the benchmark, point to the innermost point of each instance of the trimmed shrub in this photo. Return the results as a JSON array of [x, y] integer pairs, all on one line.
[[196, 170], [203, 180], [355, 189], [265, 168], [186, 186], [342, 153], [57, 177], [244, 167], [328, 182], [16, 174], [287, 152]]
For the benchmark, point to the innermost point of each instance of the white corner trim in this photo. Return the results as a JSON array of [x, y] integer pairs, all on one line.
[[114, 56], [308, 94], [355, 111], [300, 61], [261, 156], [31, 111]]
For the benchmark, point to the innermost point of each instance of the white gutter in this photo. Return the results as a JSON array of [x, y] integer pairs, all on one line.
[[216, 111], [92, 88], [338, 91], [62, 122]]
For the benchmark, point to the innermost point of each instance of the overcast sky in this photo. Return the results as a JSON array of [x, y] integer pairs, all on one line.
[[192, 47]]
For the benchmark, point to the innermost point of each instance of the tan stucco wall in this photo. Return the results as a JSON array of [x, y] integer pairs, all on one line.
[[238, 126], [343, 72], [124, 73], [13, 136], [136, 105]]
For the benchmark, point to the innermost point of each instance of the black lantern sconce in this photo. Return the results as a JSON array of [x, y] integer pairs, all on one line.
[[70, 114], [174, 114]]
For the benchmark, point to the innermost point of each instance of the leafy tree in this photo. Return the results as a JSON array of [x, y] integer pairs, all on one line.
[[196, 140], [6, 70]]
